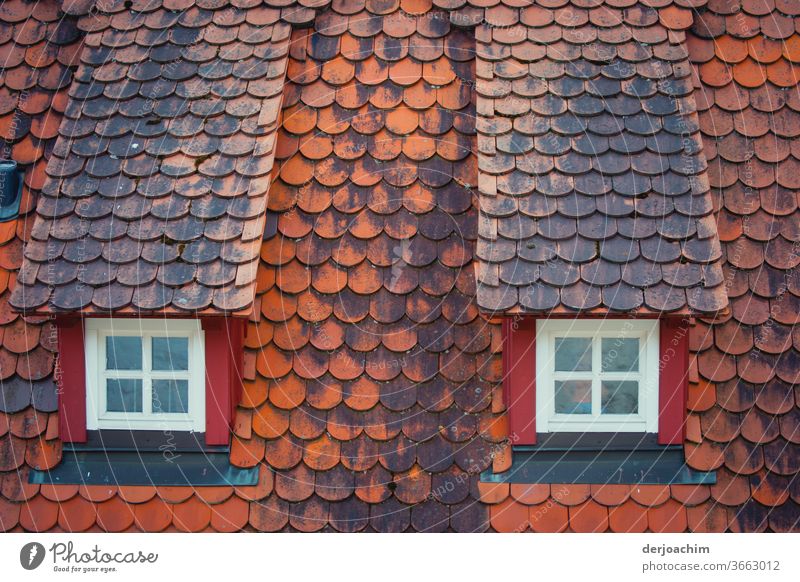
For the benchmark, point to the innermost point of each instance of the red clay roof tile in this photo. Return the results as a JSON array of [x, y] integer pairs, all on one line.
[[549, 517], [630, 517], [509, 517], [38, 514], [589, 517], [668, 518], [690, 495], [76, 514], [9, 515], [747, 97]]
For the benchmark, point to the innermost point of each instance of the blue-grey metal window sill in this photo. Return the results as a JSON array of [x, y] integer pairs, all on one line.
[[166, 442], [145, 458], [630, 459]]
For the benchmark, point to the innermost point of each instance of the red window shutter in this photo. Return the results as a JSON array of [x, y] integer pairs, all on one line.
[[224, 338], [519, 378], [71, 380], [673, 380]]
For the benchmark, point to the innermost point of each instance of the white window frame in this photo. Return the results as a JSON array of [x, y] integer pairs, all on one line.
[[97, 417], [647, 331]]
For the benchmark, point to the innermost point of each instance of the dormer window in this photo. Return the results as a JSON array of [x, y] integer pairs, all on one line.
[[152, 375], [597, 376], [597, 400], [148, 401], [145, 374]]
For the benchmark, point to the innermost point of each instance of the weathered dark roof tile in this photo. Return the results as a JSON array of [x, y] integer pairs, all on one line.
[[150, 79]]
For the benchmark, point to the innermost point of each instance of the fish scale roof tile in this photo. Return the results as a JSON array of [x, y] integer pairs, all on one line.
[[742, 404], [171, 115], [589, 138], [39, 49]]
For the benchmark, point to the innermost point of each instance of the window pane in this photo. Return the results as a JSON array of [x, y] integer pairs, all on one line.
[[573, 354], [123, 353], [170, 396], [574, 397], [620, 354], [620, 397], [124, 395], [170, 353]]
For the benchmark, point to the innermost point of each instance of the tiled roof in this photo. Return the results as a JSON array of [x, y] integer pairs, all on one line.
[[39, 50], [748, 66], [370, 372], [744, 410], [593, 189], [371, 397], [370, 377], [157, 185]]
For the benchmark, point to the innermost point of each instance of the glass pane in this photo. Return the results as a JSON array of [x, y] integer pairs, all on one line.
[[170, 396], [620, 355], [124, 395], [170, 353], [573, 354], [574, 397], [123, 353], [619, 397]]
